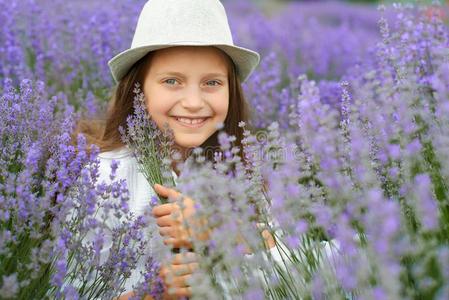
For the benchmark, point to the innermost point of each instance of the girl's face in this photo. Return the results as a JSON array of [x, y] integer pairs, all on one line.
[[188, 88]]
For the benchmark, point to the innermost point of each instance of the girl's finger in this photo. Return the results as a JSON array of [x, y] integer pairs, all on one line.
[[163, 209], [182, 292], [165, 221], [166, 231], [177, 243], [169, 193], [177, 281], [184, 258], [161, 190], [181, 270]]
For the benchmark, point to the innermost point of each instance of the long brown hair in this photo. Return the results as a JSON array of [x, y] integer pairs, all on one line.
[[103, 131]]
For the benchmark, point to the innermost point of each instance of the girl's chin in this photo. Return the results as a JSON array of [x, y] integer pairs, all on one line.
[[188, 142], [184, 146]]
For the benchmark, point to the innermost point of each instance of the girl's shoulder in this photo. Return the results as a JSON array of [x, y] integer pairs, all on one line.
[[123, 152], [126, 165]]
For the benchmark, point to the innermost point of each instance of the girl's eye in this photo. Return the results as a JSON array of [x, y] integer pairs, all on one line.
[[170, 81], [213, 81]]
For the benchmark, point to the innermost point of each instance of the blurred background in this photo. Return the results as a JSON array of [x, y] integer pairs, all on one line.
[[369, 2], [67, 44]]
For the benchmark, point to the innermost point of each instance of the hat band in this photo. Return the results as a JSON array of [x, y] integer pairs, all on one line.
[[209, 43]]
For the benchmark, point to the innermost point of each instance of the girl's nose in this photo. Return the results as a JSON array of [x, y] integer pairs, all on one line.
[[193, 99]]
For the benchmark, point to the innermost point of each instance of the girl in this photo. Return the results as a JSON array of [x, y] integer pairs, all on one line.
[[190, 71]]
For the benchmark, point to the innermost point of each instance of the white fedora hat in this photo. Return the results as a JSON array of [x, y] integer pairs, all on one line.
[[170, 23]]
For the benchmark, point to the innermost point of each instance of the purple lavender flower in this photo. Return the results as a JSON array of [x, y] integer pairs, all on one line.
[[10, 286], [427, 206], [151, 145]]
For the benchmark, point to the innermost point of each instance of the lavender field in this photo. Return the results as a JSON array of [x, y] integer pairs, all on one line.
[[348, 151]]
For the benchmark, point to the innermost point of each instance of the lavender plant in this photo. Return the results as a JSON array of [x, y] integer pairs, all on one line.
[[356, 196], [62, 234], [152, 147], [25, 205], [324, 40], [374, 160], [65, 44]]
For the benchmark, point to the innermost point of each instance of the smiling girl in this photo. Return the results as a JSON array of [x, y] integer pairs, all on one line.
[[190, 71]]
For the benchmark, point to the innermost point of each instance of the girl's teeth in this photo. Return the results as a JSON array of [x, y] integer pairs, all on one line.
[[190, 121]]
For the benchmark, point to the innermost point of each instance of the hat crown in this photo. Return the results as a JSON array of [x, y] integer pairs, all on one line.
[[169, 23], [179, 21]]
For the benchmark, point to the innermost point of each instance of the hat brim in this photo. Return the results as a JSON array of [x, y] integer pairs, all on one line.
[[244, 59]]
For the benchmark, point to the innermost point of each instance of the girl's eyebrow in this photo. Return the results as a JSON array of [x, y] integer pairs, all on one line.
[[215, 75], [171, 73], [184, 76]]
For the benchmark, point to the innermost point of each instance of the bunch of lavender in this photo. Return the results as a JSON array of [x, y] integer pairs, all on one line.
[[62, 235], [152, 147]]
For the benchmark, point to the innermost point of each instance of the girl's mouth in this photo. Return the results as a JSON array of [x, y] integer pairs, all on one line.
[[191, 123]]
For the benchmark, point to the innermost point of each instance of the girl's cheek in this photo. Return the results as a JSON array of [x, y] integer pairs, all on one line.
[[223, 108], [161, 106]]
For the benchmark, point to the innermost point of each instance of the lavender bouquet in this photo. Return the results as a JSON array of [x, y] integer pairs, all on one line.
[[152, 147]]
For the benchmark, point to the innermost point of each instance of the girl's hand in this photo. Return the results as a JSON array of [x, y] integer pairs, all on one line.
[[170, 219], [176, 274], [268, 239]]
